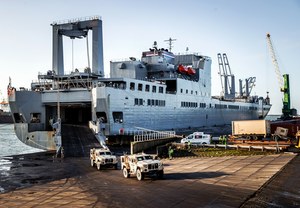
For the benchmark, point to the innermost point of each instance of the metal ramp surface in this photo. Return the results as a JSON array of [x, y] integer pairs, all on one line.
[[77, 140]]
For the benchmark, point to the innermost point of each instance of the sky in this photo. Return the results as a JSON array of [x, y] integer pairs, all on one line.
[[235, 27]]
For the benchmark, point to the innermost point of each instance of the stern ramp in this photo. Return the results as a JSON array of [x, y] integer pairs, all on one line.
[[77, 140]]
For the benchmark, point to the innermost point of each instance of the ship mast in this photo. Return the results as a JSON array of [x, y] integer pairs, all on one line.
[[170, 40]]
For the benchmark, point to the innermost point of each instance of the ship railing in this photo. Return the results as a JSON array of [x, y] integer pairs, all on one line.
[[142, 136], [124, 60], [75, 20], [67, 81]]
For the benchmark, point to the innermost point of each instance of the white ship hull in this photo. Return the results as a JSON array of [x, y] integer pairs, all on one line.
[[172, 115]]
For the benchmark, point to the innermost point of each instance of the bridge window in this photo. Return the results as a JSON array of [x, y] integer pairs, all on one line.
[[160, 89], [153, 88], [140, 87], [147, 88], [132, 85]]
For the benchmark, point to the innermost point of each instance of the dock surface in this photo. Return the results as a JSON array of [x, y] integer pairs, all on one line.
[[234, 181]]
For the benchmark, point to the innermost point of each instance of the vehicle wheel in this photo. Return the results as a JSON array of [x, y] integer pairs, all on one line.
[[125, 173], [116, 166], [92, 162], [139, 175], [98, 166], [160, 174]]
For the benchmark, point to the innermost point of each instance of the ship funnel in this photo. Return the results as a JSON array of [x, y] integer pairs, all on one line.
[[232, 90], [247, 87], [241, 88]]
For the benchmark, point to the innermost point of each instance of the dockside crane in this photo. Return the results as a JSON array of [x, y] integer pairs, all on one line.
[[283, 81]]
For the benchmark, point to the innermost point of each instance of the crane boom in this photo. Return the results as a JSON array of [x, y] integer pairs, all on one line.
[[274, 60], [283, 82]]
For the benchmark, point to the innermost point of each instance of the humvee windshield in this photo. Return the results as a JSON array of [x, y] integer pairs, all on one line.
[[146, 157], [105, 153]]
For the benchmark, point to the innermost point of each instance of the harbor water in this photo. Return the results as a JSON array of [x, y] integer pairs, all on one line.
[[10, 144]]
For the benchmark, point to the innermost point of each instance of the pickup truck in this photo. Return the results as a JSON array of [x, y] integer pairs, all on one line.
[[197, 138]]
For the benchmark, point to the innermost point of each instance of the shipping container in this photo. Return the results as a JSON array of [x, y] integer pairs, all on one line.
[[251, 129]]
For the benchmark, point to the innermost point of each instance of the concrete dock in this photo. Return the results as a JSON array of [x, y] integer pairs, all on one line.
[[235, 181]]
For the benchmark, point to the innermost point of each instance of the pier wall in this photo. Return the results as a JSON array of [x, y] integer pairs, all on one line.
[[136, 147]]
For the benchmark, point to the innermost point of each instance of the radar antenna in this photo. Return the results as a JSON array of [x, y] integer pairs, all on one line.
[[170, 40]]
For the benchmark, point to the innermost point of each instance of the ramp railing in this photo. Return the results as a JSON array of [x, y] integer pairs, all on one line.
[[141, 136]]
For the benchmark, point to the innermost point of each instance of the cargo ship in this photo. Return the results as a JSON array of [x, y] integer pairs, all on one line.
[[161, 91]]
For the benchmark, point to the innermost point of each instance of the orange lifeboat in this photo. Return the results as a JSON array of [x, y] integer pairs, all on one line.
[[182, 69], [191, 71]]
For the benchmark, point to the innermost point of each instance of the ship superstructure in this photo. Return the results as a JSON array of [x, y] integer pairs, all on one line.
[[161, 91]]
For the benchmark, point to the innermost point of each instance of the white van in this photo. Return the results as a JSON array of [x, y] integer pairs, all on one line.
[[197, 138]]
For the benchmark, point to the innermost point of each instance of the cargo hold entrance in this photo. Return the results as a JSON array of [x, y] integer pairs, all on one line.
[[76, 114], [72, 113]]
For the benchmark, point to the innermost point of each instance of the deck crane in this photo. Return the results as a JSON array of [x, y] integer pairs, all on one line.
[[283, 81], [228, 86]]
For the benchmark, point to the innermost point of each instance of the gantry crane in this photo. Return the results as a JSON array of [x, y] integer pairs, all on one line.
[[282, 80]]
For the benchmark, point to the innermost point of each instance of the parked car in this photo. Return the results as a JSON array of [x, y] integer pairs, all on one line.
[[197, 138]]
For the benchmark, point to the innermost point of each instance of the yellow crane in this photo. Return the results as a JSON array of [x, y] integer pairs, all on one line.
[[282, 80], [274, 60]]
